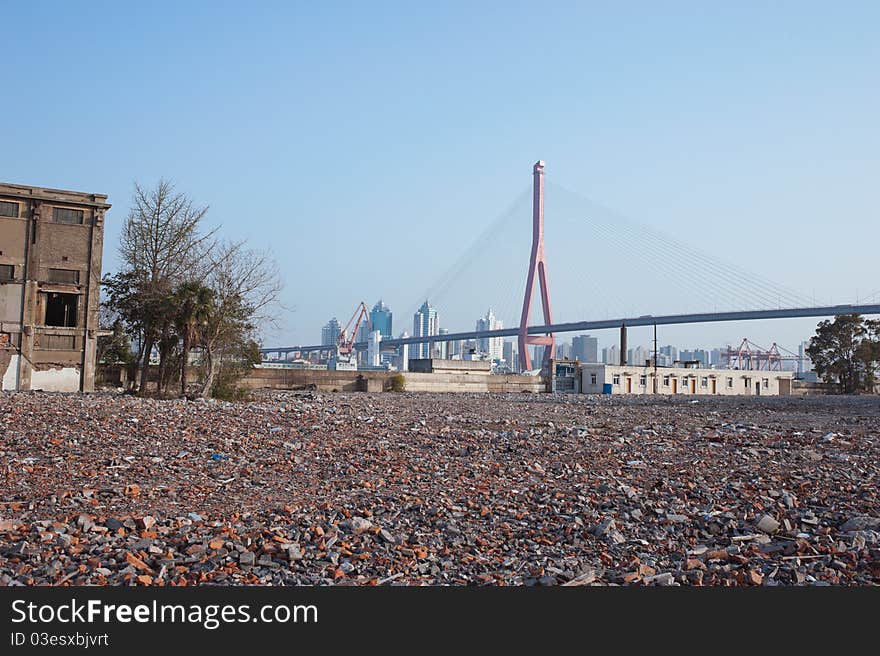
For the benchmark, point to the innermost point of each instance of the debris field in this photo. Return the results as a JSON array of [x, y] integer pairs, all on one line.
[[424, 489]]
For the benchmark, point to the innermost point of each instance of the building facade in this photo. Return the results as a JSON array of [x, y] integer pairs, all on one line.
[[330, 332], [610, 379], [511, 357], [585, 348], [493, 347], [426, 322], [381, 319], [51, 244]]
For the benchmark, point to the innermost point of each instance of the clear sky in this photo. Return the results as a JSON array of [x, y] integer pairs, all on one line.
[[369, 144]]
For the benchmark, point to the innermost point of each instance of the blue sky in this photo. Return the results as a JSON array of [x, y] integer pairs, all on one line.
[[368, 145]]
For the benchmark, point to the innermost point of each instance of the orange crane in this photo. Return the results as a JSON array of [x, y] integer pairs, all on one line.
[[345, 341]]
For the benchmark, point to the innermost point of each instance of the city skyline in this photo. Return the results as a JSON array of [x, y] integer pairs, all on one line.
[[582, 347]]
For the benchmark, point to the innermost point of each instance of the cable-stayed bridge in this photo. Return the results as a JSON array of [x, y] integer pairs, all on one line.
[[658, 266]]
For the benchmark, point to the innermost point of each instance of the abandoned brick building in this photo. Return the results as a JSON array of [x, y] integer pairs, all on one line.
[[50, 276]]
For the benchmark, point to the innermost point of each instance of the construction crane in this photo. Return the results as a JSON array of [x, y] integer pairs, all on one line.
[[750, 356], [346, 339]]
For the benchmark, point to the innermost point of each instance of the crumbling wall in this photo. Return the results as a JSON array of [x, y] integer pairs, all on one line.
[[55, 379], [8, 370]]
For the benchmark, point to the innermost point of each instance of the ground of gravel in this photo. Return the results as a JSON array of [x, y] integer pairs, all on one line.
[[416, 489]]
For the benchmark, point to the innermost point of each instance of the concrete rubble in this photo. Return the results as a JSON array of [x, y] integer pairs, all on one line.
[[411, 489]]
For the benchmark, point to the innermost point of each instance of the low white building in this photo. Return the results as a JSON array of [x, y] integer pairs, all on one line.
[[615, 379]]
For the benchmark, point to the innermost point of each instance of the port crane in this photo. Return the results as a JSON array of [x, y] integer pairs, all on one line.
[[346, 339]]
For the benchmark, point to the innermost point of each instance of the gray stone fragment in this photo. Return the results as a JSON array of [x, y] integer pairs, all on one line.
[[359, 525], [665, 578], [607, 530], [861, 523], [767, 524]]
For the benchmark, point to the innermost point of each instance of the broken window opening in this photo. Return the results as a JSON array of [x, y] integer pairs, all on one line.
[[61, 309], [8, 209], [67, 215]]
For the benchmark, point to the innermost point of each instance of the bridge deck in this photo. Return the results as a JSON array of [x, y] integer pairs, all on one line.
[[645, 320]]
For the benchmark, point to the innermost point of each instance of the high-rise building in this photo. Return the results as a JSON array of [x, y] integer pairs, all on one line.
[[380, 318], [426, 322], [611, 355], [638, 356], [491, 346], [585, 349], [443, 347], [330, 332], [363, 333], [374, 348], [805, 364], [403, 351], [511, 356], [563, 351], [670, 352]]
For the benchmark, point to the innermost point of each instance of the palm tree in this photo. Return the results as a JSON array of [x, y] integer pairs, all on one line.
[[193, 303]]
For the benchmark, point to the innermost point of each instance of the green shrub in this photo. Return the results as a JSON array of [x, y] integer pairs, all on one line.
[[398, 383], [225, 387]]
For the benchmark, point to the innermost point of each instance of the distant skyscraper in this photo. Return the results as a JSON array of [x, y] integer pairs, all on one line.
[[404, 351], [804, 363], [380, 318], [611, 355], [363, 333], [563, 351], [670, 352], [491, 346], [330, 332], [443, 347], [638, 356], [374, 348], [510, 355], [585, 348], [425, 322]]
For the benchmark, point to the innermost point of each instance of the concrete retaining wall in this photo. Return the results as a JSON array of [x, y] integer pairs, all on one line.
[[361, 381], [375, 381]]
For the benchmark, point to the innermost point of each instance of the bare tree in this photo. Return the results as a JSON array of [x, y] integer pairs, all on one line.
[[161, 245], [245, 287]]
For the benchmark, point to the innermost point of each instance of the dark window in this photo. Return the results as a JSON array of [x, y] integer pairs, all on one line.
[[7, 272], [61, 309], [66, 215], [66, 276], [8, 209]]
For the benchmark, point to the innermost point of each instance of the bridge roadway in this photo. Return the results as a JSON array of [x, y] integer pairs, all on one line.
[[577, 326]]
